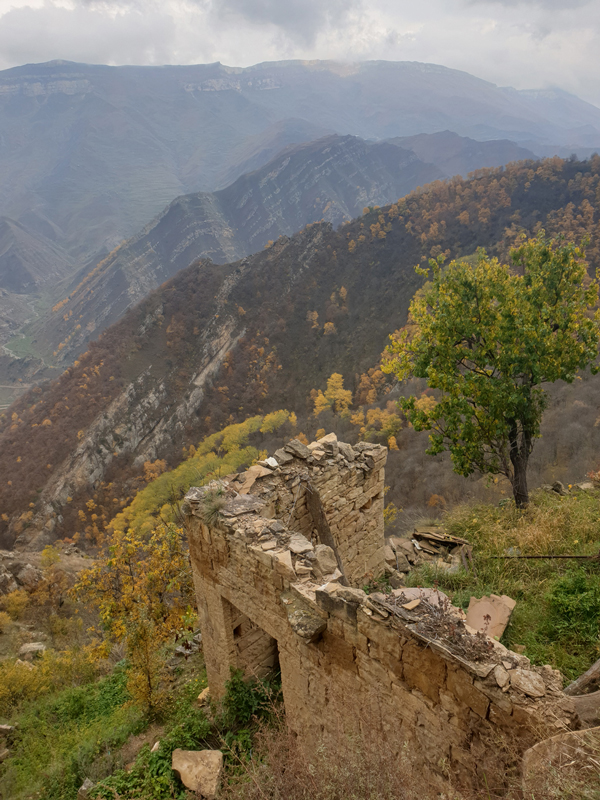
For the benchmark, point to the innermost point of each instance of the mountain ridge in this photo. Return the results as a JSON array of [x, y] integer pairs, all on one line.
[[332, 179], [218, 343]]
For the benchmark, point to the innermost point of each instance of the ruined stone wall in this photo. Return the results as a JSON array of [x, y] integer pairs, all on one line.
[[349, 660]]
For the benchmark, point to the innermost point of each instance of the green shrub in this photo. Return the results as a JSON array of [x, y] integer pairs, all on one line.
[[574, 607]]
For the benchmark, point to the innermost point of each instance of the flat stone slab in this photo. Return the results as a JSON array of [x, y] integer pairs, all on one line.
[[490, 615]]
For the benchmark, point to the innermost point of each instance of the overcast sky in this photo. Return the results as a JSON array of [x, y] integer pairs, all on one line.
[[521, 43]]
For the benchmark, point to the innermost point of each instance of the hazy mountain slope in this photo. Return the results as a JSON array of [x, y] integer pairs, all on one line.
[[30, 263], [459, 155], [218, 343], [27, 260], [332, 179], [257, 150], [100, 150]]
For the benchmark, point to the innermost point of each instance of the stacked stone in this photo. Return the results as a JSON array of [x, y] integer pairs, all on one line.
[[350, 484]]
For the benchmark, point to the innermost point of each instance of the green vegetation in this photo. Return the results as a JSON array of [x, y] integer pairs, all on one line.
[[216, 456], [557, 616], [86, 732], [487, 337], [64, 735], [231, 729]]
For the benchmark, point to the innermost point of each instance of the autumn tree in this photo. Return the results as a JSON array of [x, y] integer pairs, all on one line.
[[335, 397], [487, 337], [141, 586]]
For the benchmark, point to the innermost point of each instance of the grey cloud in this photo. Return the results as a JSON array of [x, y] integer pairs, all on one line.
[[36, 35], [298, 19], [554, 5]]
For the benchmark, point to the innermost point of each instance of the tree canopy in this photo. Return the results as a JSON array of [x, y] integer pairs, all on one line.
[[487, 337]]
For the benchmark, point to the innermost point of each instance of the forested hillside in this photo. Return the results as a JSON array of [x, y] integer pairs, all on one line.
[[218, 344], [331, 180]]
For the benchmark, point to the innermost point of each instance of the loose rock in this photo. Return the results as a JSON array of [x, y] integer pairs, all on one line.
[[527, 682], [32, 649], [199, 770], [325, 561]]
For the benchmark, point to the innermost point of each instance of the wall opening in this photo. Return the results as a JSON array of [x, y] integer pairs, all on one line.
[[256, 652]]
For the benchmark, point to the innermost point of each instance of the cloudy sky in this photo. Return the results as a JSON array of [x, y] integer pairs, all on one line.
[[522, 43]]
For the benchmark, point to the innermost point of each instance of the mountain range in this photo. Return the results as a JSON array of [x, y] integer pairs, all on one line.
[[217, 343], [90, 154], [330, 179]]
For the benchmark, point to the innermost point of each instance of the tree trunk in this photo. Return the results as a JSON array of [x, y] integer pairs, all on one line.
[[519, 456], [519, 483], [588, 682]]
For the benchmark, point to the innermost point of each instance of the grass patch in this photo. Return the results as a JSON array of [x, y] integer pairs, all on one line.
[[231, 730], [59, 738], [22, 346], [557, 616]]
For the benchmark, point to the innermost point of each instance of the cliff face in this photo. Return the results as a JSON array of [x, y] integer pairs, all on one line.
[[332, 179]]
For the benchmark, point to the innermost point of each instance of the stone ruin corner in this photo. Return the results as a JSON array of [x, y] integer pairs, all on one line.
[[280, 554]]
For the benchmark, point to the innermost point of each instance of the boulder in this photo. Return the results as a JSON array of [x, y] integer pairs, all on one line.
[[325, 561], [501, 675], [587, 707], [299, 544], [7, 583], [29, 577], [199, 770], [307, 624], [350, 595], [282, 457], [251, 475], [204, 696], [296, 448], [84, 789], [403, 546], [530, 683], [402, 562], [347, 451], [329, 443]]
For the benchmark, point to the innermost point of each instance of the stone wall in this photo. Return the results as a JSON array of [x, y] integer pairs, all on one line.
[[295, 539]]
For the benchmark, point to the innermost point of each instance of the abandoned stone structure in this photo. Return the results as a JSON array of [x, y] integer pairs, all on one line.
[[280, 554]]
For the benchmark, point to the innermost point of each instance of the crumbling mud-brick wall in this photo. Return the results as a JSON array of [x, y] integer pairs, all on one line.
[[278, 572]]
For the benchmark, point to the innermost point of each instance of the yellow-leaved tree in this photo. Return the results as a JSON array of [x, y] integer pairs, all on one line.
[[141, 582], [142, 588], [335, 397]]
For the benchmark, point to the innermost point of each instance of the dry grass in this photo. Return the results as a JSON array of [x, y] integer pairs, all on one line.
[[369, 767], [364, 769]]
